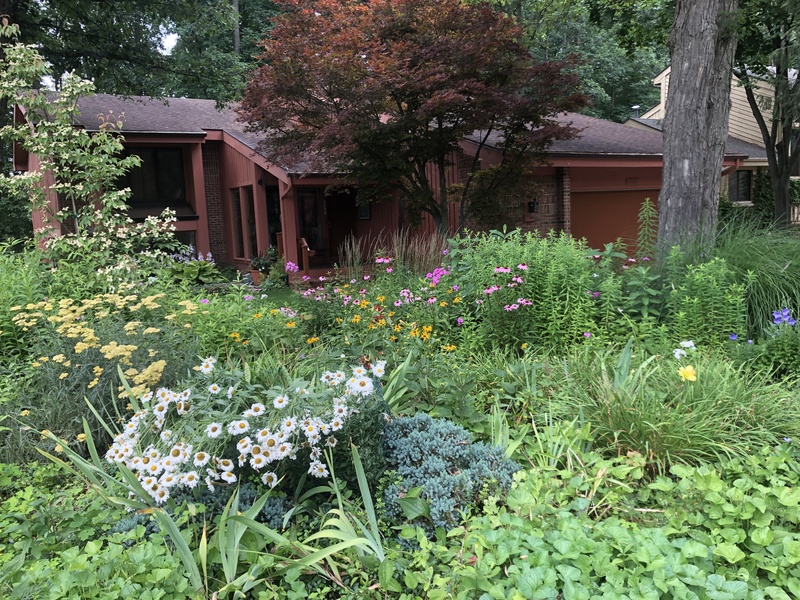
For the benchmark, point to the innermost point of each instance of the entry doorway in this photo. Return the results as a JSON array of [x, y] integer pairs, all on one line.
[[326, 220]]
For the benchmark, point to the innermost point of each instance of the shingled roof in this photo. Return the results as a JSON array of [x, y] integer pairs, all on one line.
[[598, 137], [186, 116]]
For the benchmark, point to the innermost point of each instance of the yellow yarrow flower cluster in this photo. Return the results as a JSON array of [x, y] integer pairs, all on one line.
[[122, 352]]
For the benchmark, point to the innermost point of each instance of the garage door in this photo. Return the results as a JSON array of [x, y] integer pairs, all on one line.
[[602, 217]]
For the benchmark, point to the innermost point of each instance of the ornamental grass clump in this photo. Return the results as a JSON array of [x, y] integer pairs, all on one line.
[[685, 407], [436, 461], [220, 429]]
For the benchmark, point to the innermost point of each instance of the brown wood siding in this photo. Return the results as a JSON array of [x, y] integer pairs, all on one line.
[[602, 217]]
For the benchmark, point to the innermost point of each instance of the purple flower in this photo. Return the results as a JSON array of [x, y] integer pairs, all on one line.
[[734, 337], [522, 267], [388, 269], [459, 321], [247, 299], [788, 440], [586, 334], [205, 301], [291, 267], [502, 270], [455, 288]]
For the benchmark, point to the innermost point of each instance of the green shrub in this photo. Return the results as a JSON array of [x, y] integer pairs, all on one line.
[[22, 282], [453, 473], [707, 304], [528, 289]]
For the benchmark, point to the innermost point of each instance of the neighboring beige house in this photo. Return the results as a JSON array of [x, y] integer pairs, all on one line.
[[743, 133]]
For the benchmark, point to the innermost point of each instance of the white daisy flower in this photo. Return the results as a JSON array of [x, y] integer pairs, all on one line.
[[258, 462], [284, 449], [201, 459], [169, 480], [230, 392], [289, 425], [214, 388], [269, 478], [244, 445], [225, 464], [281, 401], [238, 427], [214, 430], [362, 386], [228, 477], [317, 469], [190, 479], [160, 495], [256, 410]]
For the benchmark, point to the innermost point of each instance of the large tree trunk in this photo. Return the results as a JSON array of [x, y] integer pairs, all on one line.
[[702, 47]]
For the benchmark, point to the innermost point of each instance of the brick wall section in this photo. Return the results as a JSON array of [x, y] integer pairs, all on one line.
[[544, 189], [214, 208]]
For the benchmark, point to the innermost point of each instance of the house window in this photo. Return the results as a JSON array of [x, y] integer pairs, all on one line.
[[244, 222], [739, 186], [158, 183]]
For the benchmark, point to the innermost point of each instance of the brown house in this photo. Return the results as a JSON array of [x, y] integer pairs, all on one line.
[[234, 203]]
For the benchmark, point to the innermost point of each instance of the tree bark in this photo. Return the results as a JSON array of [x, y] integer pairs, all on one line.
[[702, 47], [236, 30]]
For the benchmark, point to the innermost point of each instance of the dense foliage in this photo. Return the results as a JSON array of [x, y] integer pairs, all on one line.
[[384, 91]]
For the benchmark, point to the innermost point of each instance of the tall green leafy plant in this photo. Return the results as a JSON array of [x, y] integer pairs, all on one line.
[[708, 303]]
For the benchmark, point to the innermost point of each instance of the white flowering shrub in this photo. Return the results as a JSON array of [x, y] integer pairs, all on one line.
[[220, 429], [88, 238]]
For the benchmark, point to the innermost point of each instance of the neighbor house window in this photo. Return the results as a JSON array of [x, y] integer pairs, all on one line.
[[739, 186]]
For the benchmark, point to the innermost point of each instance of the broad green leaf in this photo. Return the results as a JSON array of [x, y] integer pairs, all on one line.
[[729, 552]]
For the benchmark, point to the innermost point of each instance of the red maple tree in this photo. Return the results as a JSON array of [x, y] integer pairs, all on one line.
[[386, 91]]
